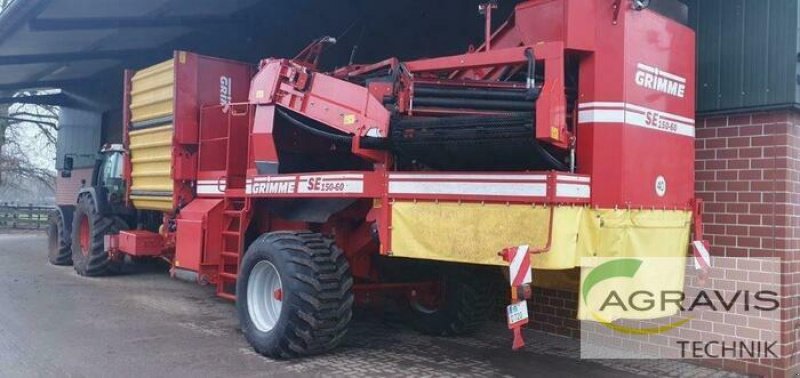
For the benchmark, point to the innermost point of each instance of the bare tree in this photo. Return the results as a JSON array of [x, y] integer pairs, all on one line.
[[25, 132], [16, 163]]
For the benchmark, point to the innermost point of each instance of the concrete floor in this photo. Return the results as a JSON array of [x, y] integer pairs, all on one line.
[[55, 323]]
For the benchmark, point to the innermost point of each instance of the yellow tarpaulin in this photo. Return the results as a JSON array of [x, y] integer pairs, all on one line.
[[474, 233]]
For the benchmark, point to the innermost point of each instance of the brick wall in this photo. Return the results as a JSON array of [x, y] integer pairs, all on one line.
[[555, 311], [67, 188], [748, 173]]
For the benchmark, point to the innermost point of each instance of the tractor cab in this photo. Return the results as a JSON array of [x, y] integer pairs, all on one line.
[[107, 175]]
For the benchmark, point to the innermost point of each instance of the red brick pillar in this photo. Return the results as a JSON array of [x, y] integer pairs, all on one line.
[[748, 173]]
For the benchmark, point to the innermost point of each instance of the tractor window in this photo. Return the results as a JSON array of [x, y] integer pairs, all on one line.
[[112, 169]]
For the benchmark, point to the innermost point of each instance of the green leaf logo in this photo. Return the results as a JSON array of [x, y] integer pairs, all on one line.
[[625, 268]]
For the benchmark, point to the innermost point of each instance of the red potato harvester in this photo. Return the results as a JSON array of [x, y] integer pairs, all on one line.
[[301, 193]]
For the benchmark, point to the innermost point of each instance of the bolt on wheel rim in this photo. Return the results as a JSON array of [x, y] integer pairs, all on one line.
[[264, 296]]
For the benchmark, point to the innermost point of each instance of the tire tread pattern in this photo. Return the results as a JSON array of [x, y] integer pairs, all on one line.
[[98, 262], [60, 248], [469, 307], [323, 291]]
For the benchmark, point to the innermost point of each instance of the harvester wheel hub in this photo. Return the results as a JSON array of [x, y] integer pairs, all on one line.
[[83, 233], [264, 296]]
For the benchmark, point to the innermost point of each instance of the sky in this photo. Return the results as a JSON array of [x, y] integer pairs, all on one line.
[[41, 153]]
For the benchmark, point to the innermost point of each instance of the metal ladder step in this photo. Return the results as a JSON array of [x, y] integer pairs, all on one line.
[[228, 296], [230, 255], [228, 276], [233, 235]]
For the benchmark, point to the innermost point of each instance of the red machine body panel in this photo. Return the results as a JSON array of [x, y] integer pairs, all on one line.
[[199, 239], [201, 81], [222, 152], [564, 16], [140, 243], [636, 109], [206, 81]]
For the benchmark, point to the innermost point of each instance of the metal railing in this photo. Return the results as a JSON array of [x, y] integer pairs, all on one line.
[[24, 217]]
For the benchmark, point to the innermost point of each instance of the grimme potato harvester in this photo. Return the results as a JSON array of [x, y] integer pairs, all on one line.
[[300, 193]]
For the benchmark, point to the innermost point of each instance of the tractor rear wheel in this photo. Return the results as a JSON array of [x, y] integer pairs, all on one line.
[[464, 304], [89, 229], [294, 294], [59, 248]]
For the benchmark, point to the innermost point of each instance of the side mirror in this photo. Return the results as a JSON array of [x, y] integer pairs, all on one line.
[[66, 170], [69, 161]]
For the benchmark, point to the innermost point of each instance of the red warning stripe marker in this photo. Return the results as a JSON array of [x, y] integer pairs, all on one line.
[[520, 268], [519, 274]]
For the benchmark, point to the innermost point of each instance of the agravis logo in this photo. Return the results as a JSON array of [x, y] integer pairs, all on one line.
[[634, 307], [625, 268], [664, 300]]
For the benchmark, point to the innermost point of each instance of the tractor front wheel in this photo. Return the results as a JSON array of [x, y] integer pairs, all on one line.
[[59, 248], [294, 294], [89, 229]]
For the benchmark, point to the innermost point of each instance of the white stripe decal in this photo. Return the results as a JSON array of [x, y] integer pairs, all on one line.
[[211, 189], [655, 120], [663, 114], [574, 179], [601, 104], [217, 186], [623, 105], [468, 188], [414, 176], [601, 116], [573, 191], [641, 120], [334, 177]]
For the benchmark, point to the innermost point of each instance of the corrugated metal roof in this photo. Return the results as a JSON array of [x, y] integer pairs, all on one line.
[[62, 43], [747, 53], [53, 41]]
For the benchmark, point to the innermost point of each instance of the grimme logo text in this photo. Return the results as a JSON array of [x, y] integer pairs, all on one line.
[[661, 81]]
